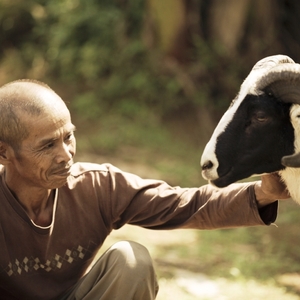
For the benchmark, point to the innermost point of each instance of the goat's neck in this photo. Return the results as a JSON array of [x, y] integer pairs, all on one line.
[[289, 176]]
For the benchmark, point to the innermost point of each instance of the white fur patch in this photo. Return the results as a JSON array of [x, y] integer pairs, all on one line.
[[291, 175]]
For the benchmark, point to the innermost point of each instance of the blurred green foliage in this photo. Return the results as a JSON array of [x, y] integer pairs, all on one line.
[[98, 46], [103, 50]]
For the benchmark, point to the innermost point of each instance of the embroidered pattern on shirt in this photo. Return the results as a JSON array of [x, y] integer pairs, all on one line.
[[56, 262]]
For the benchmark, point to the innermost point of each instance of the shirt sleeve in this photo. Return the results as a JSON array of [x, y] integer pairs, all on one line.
[[154, 204]]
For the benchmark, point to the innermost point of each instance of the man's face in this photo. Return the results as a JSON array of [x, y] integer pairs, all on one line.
[[46, 155]]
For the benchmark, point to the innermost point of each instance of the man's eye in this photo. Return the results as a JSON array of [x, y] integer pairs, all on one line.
[[48, 146], [69, 136]]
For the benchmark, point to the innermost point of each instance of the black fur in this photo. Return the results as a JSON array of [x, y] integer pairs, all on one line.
[[255, 140]]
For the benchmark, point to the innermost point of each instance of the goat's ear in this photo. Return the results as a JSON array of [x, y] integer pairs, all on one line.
[[292, 161]]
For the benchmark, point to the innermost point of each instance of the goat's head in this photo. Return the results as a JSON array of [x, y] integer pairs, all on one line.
[[256, 134]]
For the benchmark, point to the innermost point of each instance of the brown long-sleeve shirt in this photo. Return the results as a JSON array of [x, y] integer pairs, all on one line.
[[43, 262]]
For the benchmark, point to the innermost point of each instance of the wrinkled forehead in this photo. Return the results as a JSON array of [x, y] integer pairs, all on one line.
[[49, 100], [51, 120]]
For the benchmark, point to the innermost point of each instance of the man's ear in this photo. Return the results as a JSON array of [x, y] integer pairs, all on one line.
[[3, 153]]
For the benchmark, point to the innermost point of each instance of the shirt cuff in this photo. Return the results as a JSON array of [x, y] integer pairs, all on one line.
[[268, 213]]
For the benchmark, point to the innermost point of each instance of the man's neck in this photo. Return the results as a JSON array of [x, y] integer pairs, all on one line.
[[41, 213], [37, 203]]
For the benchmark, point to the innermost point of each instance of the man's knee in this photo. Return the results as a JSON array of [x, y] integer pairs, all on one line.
[[133, 256], [124, 271], [134, 266]]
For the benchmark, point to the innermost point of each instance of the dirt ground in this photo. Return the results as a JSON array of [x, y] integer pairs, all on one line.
[[178, 283]]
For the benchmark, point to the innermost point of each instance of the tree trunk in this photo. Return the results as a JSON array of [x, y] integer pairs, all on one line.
[[168, 20], [227, 23]]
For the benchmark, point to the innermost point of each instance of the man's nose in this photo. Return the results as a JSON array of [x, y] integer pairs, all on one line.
[[66, 152]]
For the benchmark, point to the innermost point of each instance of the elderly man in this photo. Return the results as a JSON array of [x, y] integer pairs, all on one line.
[[55, 214]]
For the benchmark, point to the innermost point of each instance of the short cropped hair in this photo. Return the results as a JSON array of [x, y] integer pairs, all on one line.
[[16, 98]]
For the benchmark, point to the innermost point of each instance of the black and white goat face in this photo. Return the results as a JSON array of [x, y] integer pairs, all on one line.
[[258, 133]]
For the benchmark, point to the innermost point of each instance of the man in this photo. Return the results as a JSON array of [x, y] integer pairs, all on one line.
[[55, 214]]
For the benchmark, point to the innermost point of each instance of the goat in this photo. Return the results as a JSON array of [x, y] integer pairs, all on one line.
[[260, 131]]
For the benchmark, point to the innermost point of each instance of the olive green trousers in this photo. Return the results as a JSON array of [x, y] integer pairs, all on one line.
[[124, 272]]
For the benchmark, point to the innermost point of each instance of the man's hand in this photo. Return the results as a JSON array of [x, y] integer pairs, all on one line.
[[269, 189]]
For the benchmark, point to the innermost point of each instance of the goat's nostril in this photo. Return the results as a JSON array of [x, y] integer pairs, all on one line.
[[207, 165]]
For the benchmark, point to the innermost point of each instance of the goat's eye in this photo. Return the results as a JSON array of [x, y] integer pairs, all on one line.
[[261, 117]]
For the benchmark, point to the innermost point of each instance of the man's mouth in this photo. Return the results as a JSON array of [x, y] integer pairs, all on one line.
[[66, 171]]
